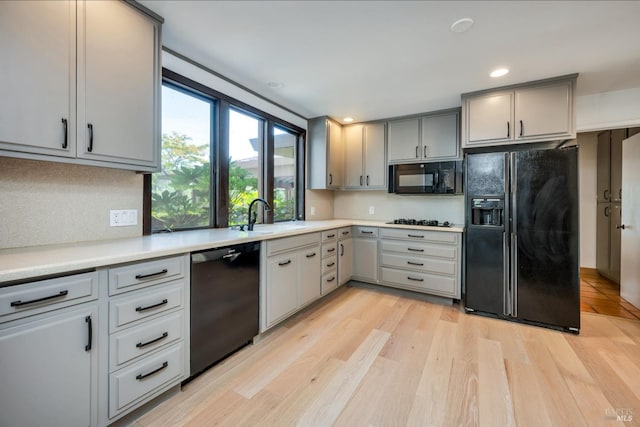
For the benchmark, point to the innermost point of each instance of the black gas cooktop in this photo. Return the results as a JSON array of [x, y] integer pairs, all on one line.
[[421, 222]]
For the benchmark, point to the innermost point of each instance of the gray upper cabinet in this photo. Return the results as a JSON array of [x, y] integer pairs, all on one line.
[[431, 137], [603, 182], [326, 164], [365, 164], [533, 112], [87, 94]]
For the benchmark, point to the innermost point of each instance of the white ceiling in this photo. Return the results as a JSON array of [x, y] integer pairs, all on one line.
[[379, 59]]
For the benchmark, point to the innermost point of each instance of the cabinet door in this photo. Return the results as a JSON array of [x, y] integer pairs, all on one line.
[[309, 275], [604, 164], [440, 136], [403, 142], [47, 372], [375, 166], [489, 118], [282, 286], [354, 158], [37, 88], [615, 165], [345, 261], [615, 243], [119, 81], [365, 259], [603, 226], [544, 111], [336, 152]]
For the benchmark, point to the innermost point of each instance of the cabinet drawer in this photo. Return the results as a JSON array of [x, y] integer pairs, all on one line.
[[439, 266], [441, 285], [142, 379], [329, 235], [329, 283], [140, 305], [344, 232], [420, 249], [46, 295], [139, 340], [289, 243], [330, 263], [329, 249], [360, 231], [420, 235], [134, 276]]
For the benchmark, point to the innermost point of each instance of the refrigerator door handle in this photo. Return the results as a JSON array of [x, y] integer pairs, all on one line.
[[514, 275], [506, 286]]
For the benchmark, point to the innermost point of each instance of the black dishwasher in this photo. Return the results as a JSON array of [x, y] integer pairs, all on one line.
[[224, 302]]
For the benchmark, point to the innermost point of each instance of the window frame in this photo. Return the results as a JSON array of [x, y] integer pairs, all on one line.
[[219, 153]]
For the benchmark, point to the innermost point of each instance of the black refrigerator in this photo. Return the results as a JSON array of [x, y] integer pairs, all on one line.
[[522, 236]]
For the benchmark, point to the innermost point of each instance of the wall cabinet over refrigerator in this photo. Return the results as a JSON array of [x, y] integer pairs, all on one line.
[[365, 166], [326, 153], [432, 137], [532, 112], [87, 94]]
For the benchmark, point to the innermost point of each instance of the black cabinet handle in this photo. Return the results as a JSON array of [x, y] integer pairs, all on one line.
[[331, 279], [367, 179], [606, 194], [90, 147], [341, 249], [415, 263], [360, 179], [415, 250], [417, 148], [155, 371], [521, 128], [331, 249], [90, 333], [164, 301], [366, 232], [345, 232], [146, 276], [620, 227], [331, 264], [144, 344], [415, 236], [311, 255], [425, 151], [282, 264], [620, 194], [415, 279], [330, 179], [66, 134], [606, 211], [330, 236], [508, 130], [19, 303]]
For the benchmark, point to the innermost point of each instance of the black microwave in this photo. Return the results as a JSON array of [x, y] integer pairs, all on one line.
[[426, 178]]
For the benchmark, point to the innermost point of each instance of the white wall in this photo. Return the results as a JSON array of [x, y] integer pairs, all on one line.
[[588, 173]]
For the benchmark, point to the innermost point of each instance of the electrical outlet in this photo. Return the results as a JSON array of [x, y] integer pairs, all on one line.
[[123, 217], [372, 210], [312, 211]]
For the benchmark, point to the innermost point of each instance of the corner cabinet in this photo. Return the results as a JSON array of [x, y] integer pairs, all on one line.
[[325, 165], [533, 112], [77, 91], [431, 137], [365, 165]]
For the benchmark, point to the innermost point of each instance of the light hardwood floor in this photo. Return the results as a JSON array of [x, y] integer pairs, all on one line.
[[365, 357]]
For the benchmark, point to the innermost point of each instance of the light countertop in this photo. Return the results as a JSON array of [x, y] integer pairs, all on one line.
[[38, 261]]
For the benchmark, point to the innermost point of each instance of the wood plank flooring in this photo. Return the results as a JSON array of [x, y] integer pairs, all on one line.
[[368, 357], [600, 295]]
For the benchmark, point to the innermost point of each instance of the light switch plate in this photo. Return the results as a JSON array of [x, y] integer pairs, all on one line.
[[123, 217]]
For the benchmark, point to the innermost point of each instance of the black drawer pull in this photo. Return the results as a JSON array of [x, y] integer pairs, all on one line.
[[331, 279], [141, 376], [415, 279], [282, 264], [66, 133], [347, 232], [330, 236], [164, 301], [415, 263], [144, 344], [331, 249], [90, 147], [146, 276], [311, 255], [89, 333], [417, 236], [331, 264], [33, 301], [415, 250], [366, 232]]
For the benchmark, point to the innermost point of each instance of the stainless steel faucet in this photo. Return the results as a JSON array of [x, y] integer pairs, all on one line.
[[254, 218]]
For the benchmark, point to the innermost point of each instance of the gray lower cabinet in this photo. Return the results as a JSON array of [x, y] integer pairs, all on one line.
[[365, 254], [422, 261], [49, 352], [345, 260]]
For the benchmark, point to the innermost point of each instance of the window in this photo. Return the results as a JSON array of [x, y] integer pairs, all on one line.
[[218, 154]]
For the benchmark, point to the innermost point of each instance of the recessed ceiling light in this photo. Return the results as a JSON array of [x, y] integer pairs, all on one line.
[[462, 25], [347, 119], [275, 85], [499, 72]]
